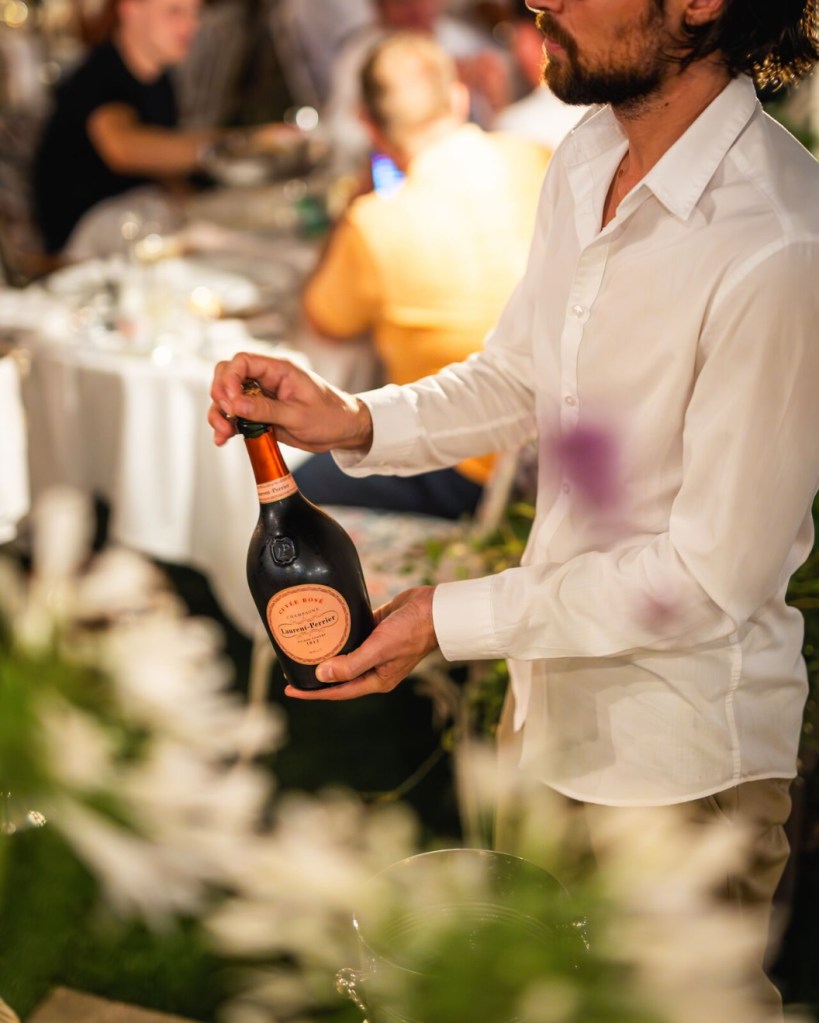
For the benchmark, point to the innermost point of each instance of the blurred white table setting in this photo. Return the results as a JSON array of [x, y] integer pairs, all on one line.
[[133, 432], [267, 232], [121, 358]]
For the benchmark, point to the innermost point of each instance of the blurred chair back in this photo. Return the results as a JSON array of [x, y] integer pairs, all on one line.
[[22, 84], [14, 488], [25, 97], [22, 256], [206, 81], [307, 35]]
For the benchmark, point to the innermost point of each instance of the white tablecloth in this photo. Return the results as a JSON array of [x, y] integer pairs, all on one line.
[[135, 433], [129, 424]]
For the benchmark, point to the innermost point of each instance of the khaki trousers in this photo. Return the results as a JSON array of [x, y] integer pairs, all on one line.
[[761, 806]]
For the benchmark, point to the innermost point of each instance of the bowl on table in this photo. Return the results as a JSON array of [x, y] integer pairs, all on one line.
[[255, 158]]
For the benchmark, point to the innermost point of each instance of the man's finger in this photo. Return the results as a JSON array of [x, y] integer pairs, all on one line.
[[230, 376], [367, 685], [347, 667], [223, 430]]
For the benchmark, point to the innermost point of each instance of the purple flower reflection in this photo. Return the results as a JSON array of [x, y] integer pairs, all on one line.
[[657, 613], [587, 457]]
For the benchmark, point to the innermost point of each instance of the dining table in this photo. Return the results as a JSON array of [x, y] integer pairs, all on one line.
[[121, 353]]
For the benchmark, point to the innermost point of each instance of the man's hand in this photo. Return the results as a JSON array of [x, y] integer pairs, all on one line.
[[307, 412], [402, 638]]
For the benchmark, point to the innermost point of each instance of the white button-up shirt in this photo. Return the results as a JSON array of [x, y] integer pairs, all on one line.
[[669, 365]]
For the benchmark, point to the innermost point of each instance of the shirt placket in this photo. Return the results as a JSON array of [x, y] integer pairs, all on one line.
[[583, 293]]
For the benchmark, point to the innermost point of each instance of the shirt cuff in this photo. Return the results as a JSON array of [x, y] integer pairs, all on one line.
[[395, 433], [463, 620]]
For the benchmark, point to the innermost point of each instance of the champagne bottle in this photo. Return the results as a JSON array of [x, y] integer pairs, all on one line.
[[303, 569]]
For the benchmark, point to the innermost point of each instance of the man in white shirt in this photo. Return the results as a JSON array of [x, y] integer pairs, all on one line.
[[663, 346]]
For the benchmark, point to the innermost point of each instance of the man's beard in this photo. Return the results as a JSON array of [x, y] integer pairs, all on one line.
[[625, 86]]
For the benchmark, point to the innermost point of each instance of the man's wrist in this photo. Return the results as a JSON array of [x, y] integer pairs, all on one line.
[[363, 437]]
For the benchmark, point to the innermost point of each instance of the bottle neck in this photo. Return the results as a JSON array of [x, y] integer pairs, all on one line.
[[265, 457]]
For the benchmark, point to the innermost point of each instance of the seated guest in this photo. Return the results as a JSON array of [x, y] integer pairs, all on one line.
[[426, 269], [114, 124], [478, 59]]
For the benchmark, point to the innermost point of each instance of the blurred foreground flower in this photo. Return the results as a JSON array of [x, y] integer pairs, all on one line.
[[451, 935], [116, 724]]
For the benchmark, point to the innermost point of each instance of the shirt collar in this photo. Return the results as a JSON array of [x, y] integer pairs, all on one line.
[[680, 176]]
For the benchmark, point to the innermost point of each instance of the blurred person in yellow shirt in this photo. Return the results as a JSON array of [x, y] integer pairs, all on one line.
[[480, 61], [427, 267]]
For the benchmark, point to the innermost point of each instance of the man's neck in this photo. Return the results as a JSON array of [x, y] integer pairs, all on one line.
[[653, 126], [425, 138], [141, 65]]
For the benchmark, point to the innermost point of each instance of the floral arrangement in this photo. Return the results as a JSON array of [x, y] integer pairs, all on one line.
[[643, 941], [116, 724], [119, 729]]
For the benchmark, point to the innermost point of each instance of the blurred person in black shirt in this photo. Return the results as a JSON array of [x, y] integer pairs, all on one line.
[[115, 122]]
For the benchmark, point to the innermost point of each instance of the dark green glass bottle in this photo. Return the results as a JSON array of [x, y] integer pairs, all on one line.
[[303, 569]]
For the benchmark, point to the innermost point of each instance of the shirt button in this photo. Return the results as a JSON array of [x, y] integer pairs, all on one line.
[[579, 310], [570, 399], [566, 488]]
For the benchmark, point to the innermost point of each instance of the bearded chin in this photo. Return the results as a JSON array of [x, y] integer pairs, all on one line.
[[575, 86]]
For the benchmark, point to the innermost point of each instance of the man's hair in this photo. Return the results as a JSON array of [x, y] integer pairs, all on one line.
[[406, 84], [775, 41], [98, 24]]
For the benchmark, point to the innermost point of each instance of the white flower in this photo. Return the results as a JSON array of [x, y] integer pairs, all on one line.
[[119, 583], [304, 880], [169, 677], [659, 860], [550, 1001], [137, 877], [538, 826], [62, 529], [79, 752], [140, 719], [159, 736]]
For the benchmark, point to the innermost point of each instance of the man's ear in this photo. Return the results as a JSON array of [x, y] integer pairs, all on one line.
[[702, 12]]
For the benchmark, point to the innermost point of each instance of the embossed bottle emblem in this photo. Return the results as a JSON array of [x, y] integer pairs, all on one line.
[[283, 550]]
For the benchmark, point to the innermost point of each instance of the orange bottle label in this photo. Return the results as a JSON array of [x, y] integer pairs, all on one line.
[[310, 622], [275, 490]]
